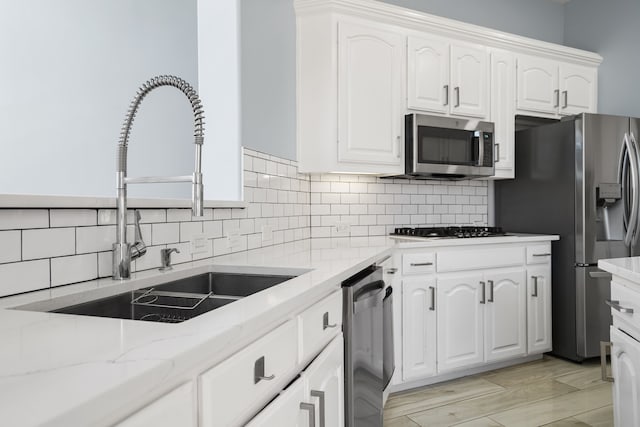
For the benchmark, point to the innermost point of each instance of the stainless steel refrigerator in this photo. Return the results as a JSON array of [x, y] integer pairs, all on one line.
[[578, 178]]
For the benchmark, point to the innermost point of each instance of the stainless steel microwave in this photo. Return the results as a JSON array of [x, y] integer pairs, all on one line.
[[448, 148]]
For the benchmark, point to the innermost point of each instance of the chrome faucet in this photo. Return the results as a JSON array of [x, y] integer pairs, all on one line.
[[124, 252], [165, 258]]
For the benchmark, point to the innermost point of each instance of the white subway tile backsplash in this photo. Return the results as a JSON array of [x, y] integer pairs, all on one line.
[[47, 243], [10, 246], [162, 234], [296, 206], [19, 277], [72, 217], [72, 269], [17, 219], [190, 229]]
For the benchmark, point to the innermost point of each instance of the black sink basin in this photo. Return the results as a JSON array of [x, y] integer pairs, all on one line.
[[232, 284], [179, 300]]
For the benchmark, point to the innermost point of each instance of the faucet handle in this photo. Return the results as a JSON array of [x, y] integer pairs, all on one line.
[[138, 248]]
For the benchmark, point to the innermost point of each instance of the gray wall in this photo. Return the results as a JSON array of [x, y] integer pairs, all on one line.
[[268, 55], [611, 29]]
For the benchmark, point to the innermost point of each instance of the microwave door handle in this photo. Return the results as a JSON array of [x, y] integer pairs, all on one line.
[[480, 149]]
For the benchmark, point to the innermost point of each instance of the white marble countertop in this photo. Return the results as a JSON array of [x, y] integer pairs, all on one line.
[[56, 369], [628, 268]]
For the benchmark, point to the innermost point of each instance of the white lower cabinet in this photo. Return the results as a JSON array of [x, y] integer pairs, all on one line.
[[539, 308], [460, 317], [176, 408], [479, 304], [625, 365], [419, 327], [318, 394]]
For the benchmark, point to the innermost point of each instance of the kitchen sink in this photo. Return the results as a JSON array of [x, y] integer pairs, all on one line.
[[178, 300]]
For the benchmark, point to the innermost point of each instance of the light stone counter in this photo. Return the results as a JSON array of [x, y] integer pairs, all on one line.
[[66, 370]]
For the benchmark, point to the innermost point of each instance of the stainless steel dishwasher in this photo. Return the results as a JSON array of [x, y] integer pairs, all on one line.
[[368, 350]]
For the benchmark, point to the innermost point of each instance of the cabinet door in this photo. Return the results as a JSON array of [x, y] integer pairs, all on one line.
[[625, 365], [460, 317], [419, 327], [578, 91], [325, 384], [176, 408], [370, 96], [539, 308], [469, 80], [285, 410], [537, 82], [428, 74], [503, 106], [505, 315]]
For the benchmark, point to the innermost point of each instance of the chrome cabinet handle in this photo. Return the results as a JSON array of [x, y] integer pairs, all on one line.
[[432, 307], [320, 395], [565, 95], [556, 94], [600, 275], [545, 254], [312, 412], [325, 321], [497, 153], [446, 95], [457, 91], [490, 290], [258, 372], [484, 299], [420, 264], [616, 306], [604, 345], [399, 142], [535, 286], [392, 270]]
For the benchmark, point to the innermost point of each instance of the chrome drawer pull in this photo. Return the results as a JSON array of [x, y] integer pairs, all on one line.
[[392, 270], [325, 322], [616, 306], [545, 254], [258, 372], [604, 345], [421, 264], [312, 412]]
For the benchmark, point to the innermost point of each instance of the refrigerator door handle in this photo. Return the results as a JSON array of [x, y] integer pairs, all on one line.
[[636, 229], [633, 167]]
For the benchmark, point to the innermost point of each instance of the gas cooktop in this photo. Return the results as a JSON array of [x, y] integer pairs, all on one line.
[[450, 232]]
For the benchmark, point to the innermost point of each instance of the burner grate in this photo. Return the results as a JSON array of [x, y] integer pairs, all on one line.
[[453, 231]]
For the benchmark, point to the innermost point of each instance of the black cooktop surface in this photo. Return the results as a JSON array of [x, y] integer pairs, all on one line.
[[460, 232]]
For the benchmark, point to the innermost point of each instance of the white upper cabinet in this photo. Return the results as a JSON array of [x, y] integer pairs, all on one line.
[[363, 65], [469, 80], [503, 110], [428, 74], [369, 95], [578, 89], [554, 88], [450, 78]]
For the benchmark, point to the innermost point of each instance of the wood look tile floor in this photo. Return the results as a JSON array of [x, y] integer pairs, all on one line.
[[547, 392]]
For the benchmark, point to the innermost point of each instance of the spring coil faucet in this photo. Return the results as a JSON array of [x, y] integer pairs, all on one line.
[[124, 252]]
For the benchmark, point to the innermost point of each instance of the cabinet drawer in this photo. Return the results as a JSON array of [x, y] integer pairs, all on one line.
[[479, 258], [319, 324], [285, 410], [419, 263], [228, 391], [625, 299], [539, 254]]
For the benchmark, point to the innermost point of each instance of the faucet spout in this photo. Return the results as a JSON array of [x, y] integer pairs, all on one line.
[[123, 252]]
